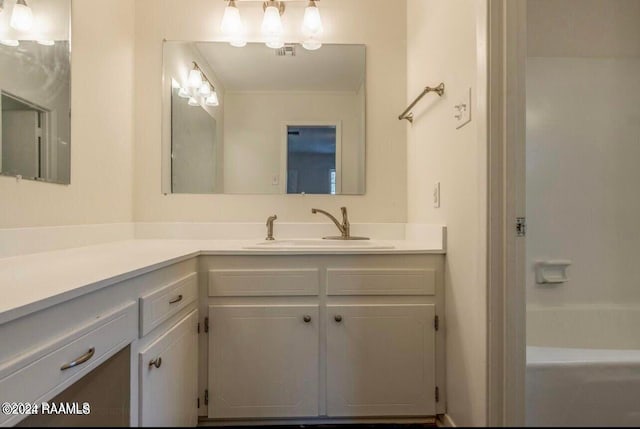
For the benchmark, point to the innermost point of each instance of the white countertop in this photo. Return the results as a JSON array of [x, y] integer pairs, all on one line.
[[34, 282]]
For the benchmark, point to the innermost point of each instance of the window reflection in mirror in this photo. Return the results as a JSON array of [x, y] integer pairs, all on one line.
[[287, 121], [35, 83]]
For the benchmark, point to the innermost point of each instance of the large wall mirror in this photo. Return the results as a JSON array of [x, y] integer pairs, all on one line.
[[261, 121], [35, 89]]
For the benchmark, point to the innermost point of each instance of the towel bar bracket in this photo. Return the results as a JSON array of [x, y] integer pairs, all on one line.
[[408, 114]]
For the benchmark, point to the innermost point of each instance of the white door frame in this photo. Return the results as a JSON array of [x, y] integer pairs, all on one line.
[[284, 167], [506, 339]]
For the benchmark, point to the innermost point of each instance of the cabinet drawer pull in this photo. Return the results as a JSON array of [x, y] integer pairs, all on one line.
[[337, 318], [157, 362], [82, 359], [176, 300], [307, 319]]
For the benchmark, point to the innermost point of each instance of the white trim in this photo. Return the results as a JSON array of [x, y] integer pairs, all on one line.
[[445, 421], [284, 167], [506, 293]]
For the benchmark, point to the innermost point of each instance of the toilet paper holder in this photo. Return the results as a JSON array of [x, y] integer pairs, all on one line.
[[552, 272]]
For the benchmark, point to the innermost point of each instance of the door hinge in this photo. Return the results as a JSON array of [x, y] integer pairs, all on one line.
[[436, 323], [198, 327], [521, 227], [198, 402], [206, 396], [206, 324], [437, 394]]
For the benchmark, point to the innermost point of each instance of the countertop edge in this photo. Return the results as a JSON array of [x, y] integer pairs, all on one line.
[[14, 313]]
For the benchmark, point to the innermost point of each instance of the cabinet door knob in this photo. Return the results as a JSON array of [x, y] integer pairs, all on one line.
[[337, 318], [157, 362], [307, 319]]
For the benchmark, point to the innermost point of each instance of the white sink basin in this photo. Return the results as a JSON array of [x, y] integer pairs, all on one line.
[[309, 244]]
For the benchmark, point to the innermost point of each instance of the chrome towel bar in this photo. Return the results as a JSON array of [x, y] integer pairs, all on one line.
[[408, 114]]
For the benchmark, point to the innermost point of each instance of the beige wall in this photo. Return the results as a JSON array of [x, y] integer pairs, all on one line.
[[583, 28], [254, 136], [102, 129], [346, 21], [442, 47]]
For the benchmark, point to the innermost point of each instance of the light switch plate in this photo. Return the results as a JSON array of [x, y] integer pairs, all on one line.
[[462, 110], [436, 195]]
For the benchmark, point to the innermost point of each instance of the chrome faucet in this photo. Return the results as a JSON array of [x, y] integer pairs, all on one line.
[[344, 227], [270, 221]]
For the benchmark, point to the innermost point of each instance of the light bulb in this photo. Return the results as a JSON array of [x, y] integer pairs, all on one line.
[[312, 44], [46, 42], [205, 89], [312, 22], [22, 16], [193, 102], [195, 79], [183, 93], [10, 43], [212, 100], [271, 23]]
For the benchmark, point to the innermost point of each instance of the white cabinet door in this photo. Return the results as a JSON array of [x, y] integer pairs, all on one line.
[[380, 360], [169, 377], [263, 361]]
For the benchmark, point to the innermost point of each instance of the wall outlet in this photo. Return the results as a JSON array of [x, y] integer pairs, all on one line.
[[275, 180], [462, 110], [436, 195]]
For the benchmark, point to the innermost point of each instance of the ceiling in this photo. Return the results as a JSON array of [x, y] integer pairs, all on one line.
[[257, 67]]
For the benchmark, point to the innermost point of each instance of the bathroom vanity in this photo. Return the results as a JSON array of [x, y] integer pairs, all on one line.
[[220, 332]]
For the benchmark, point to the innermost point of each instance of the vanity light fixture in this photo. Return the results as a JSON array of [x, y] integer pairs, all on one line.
[[272, 27], [205, 92], [232, 26], [22, 16]]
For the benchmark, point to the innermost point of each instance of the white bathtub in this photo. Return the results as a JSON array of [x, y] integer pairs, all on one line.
[[581, 383]]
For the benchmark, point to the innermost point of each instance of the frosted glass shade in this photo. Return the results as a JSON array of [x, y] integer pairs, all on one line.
[[271, 23], [22, 17], [11, 43], [46, 42], [212, 100], [275, 43], [312, 22], [205, 89], [231, 20], [183, 93], [193, 102], [195, 79], [312, 44]]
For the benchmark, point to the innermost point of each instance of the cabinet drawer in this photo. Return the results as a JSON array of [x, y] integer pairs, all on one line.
[[48, 371], [273, 282], [381, 281], [160, 305]]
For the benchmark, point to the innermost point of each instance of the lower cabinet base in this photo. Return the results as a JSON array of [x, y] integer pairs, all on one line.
[[417, 421]]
